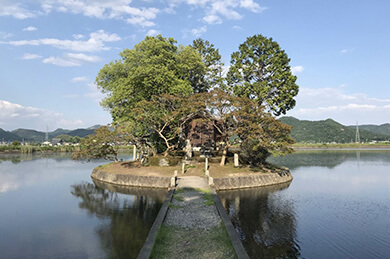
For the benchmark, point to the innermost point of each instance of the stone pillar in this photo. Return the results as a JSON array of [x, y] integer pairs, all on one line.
[[134, 152], [188, 150], [183, 168], [211, 181], [175, 173], [236, 164], [206, 170]]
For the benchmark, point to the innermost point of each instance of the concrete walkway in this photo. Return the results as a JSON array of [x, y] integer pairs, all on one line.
[[192, 182], [192, 226]]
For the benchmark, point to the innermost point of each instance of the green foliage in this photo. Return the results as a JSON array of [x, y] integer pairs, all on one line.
[[178, 197], [212, 75], [156, 88], [103, 144], [16, 143], [253, 153], [154, 161], [260, 70], [154, 66], [327, 131], [69, 139], [173, 161]]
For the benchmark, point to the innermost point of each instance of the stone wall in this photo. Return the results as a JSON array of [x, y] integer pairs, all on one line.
[[131, 180], [250, 181]]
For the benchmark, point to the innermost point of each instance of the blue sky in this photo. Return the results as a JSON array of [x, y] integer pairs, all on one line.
[[51, 51]]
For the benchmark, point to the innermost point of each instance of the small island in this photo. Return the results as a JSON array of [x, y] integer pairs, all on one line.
[[186, 117], [220, 178]]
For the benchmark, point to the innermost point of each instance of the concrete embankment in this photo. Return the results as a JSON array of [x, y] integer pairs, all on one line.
[[224, 183], [131, 180], [251, 181]]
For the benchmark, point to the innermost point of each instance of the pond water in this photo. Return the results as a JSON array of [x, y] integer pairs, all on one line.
[[50, 208], [337, 206]]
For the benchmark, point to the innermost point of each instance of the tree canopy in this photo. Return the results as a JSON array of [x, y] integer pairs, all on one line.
[[260, 70], [157, 87], [154, 66]]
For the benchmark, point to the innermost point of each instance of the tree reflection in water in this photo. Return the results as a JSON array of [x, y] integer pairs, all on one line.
[[130, 217], [264, 221]]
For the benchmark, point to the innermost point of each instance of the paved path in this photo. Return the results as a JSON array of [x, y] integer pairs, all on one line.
[[195, 227], [192, 182]]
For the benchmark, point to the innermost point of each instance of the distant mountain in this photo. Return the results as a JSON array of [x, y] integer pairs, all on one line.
[[58, 132], [80, 132], [327, 131], [8, 136], [30, 135], [94, 127], [381, 129], [39, 136]]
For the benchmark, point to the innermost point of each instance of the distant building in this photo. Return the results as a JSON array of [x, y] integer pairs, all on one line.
[[56, 142], [201, 132]]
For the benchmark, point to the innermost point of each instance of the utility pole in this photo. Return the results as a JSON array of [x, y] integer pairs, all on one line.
[[357, 137]]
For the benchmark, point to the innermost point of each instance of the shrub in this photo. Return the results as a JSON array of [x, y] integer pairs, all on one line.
[[154, 160], [173, 160]]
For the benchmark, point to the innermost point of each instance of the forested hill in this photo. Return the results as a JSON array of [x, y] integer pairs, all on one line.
[[39, 136], [381, 129], [328, 131]]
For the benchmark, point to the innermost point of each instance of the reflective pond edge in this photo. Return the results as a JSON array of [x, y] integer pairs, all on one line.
[[150, 240], [131, 180], [278, 176], [253, 181]]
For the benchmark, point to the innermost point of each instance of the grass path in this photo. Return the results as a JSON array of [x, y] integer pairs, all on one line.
[[192, 227]]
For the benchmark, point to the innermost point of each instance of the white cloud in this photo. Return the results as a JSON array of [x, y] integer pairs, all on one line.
[[297, 69], [71, 60], [29, 56], [78, 79], [114, 9], [126, 11], [345, 51], [152, 33], [252, 6], [199, 31], [323, 103], [226, 9], [212, 19], [16, 10], [13, 115], [78, 36], [30, 28], [237, 27], [96, 42]]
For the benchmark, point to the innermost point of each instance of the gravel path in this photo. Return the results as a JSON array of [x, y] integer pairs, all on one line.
[[195, 227], [192, 211]]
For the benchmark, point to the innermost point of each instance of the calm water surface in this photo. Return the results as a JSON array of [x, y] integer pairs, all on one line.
[[50, 208], [337, 206]]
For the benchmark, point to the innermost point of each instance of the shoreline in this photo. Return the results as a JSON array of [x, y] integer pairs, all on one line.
[[157, 177]]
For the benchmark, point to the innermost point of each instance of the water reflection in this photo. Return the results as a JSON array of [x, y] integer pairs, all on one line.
[[264, 220], [129, 218], [329, 158]]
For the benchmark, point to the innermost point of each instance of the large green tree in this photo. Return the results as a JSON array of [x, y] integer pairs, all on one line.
[[212, 75], [260, 70], [154, 66], [104, 143]]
